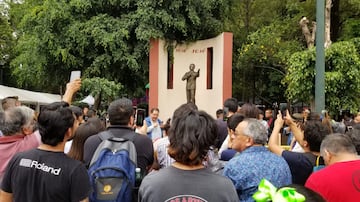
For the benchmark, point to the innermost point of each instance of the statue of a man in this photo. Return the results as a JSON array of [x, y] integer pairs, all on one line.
[[190, 78]]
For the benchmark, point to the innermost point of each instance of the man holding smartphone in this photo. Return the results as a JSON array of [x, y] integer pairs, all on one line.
[[154, 125]]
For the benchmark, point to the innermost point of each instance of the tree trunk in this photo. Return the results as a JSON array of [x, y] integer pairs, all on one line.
[[327, 23], [247, 16], [97, 101], [309, 37], [335, 20]]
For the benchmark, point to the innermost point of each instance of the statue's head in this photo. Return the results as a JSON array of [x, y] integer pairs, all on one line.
[[192, 67]]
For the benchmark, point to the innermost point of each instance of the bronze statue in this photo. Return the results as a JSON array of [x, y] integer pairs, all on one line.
[[190, 78]]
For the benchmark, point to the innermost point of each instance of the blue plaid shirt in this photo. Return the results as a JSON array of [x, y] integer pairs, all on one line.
[[253, 164]]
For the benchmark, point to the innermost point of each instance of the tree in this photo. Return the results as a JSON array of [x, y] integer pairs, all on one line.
[[263, 59], [6, 39], [259, 63], [108, 39], [342, 84], [101, 89]]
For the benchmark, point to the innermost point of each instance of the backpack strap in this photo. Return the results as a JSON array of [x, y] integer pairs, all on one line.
[[317, 161]]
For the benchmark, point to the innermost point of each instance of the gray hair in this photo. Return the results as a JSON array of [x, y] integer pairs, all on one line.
[[337, 143], [256, 131], [15, 119]]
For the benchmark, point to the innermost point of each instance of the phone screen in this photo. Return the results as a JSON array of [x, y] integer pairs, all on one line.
[[283, 108], [75, 75], [226, 113], [139, 117]]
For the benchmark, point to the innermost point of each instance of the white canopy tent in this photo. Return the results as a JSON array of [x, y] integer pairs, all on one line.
[[90, 100], [29, 97]]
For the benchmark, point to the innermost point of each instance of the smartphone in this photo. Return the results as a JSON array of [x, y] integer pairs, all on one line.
[[226, 113], [283, 108], [75, 75], [139, 117]]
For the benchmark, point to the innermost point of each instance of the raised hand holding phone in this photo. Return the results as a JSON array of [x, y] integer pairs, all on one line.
[[72, 87], [75, 75]]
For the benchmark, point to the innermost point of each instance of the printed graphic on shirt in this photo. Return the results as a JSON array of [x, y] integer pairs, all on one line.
[[186, 198], [40, 166]]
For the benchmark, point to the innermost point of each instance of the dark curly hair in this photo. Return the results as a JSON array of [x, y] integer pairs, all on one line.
[[314, 133], [191, 134]]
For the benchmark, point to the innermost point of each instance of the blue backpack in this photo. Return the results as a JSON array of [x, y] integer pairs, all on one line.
[[112, 169]]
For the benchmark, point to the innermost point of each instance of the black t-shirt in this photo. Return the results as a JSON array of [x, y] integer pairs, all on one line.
[[39, 175], [300, 165], [222, 132], [143, 144]]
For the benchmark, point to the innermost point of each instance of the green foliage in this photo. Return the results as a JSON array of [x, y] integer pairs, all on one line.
[[6, 36], [108, 39], [264, 40], [263, 58], [95, 86], [103, 91], [300, 76], [351, 29], [342, 83], [178, 20]]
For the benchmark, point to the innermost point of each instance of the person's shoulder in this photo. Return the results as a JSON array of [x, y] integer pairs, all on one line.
[[156, 176], [291, 154], [73, 162], [93, 138], [272, 155], [33, 139], [317, 177], [140, 137], [221, 122], [224, 181], [296, 158], [234, 162], [25, 154], [162, 141]]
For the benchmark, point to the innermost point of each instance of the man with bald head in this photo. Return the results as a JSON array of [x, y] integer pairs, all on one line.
[[339, 180]]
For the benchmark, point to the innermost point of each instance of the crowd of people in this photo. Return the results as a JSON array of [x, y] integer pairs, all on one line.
[[45, 156]]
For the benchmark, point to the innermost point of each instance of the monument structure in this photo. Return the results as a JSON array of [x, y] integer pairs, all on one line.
[[168, 69]]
